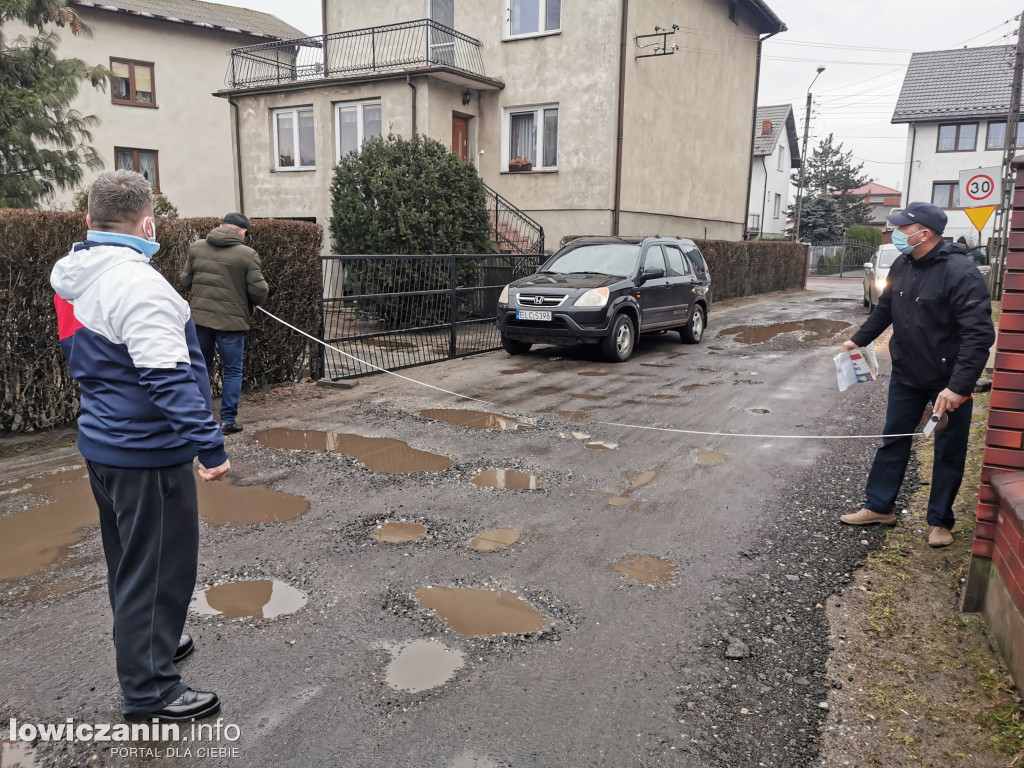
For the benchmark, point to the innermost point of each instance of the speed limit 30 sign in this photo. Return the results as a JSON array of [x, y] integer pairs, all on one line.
[[981, 186]]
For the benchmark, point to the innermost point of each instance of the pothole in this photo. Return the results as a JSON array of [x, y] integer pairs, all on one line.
[[640, 479], [508, 480], [17, 754], [420, 665], [663, 397], [393, 532], [543, 391], [656, 365], [618, 501], [812, 330], [222, 503], [709, 458], [601, 445], [588, 397], [496, 538], [691, 387], [591, 373], [377, 454], [262, 599], [759, 411], [476, 419], [646, 569], [481, 612]]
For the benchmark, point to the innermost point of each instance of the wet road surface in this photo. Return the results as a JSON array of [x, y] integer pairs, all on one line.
[[487, 588]]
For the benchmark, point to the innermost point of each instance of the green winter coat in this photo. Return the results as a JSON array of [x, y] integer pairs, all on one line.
[[224, 277]]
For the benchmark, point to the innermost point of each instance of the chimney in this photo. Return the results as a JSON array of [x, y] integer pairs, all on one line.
[[766, 127]]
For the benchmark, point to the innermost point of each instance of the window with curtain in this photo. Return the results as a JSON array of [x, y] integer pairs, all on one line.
[[142, 161], [533, 135], [357, 123], [133, 83], [532, 17], [957, 138], [294, 139], [997, 136], [946, 194]]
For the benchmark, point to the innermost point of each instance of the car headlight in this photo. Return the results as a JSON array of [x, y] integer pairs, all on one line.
[[503, 298], [880, 283], [595, 297]]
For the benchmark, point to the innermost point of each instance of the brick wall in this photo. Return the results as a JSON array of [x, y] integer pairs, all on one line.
[[1008, 547]]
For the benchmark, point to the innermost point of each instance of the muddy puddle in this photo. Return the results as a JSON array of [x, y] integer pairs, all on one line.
[[38, 536], [221, 503], [262, 599], [543, 391], [481, 612], [515, 371], [508, 480], [591, 373], [663, 397], [600, 445], [709, 458], [640, 479], [497, 538], [759, 411], [691, 387], [377, 454], [570, 415], [810, 330], [420, 665], [646, 569], [656, 365], [17, 755], [588, 397], [618, 501], [476, 419], [393, 532]]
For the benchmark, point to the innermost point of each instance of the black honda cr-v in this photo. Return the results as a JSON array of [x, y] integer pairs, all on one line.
[[606, 290]]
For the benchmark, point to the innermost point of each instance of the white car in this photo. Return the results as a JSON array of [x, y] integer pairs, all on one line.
[[876, 274]]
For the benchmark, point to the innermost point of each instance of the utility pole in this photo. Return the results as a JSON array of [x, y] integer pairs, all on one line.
[[1009, 151], [803, 159]]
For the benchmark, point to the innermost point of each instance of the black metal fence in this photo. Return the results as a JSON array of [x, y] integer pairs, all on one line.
[[400, 311], [411, 44], [841, 259]]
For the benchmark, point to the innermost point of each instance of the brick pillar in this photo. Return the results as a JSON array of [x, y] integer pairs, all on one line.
[[1006, 417]]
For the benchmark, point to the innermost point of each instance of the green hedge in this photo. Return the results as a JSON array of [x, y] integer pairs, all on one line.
[[748, 267], [36, 390]]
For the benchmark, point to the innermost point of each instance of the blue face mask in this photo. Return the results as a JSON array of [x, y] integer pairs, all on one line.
[[902, 242]]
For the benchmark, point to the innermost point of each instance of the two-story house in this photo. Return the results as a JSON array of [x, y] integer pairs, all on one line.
[[955, 104], [629, 125], [776, 154], [159, 117]]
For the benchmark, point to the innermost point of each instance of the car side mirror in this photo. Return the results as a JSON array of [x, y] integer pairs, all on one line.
[[868, 268], [652, 272]]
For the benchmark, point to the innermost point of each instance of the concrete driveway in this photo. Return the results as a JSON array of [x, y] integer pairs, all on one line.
[[663, 592]]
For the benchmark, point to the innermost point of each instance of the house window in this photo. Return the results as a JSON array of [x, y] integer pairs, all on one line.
[[957, 138], [532, 17], [294, 141], [356, 123], [946, 194], [142, 161], [997, 136], [132, 83], [782, 157], [778, 205], [533, 134]]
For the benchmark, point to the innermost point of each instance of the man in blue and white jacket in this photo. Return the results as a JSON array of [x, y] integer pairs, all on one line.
[[145, 415]]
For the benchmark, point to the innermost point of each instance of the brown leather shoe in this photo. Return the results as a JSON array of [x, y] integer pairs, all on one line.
[[939, 537], [867, 517]]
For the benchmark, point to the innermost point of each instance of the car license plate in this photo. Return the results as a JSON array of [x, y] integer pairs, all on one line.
[[532, 314]]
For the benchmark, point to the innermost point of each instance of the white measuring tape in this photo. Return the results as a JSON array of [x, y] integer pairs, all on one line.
[[322, 343]]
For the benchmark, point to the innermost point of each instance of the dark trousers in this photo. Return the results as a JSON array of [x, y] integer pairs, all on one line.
[[149, 519], [906, 406], [231, 345]]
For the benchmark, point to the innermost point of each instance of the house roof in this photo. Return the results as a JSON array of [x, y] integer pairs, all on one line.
[[769, 22], [781, 117], [200, 14], [874, 189], [954, 84]]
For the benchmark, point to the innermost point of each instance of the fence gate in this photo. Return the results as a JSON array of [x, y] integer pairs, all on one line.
[[399, 311], [841, 259]]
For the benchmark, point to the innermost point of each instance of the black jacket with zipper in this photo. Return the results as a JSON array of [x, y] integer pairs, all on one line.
[[941, 316]]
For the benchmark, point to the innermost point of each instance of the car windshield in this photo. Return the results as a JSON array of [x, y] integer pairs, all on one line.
[[618, 259], [886, 257]]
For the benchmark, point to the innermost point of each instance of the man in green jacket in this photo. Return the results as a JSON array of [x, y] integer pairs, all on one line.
[[224, 277]]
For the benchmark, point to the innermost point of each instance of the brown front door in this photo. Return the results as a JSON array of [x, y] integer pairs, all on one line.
[[460, 137]]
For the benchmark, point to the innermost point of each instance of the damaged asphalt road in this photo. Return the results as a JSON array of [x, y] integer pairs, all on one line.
[[709, 651]]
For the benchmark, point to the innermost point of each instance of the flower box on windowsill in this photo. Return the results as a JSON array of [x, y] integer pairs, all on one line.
[[520, 168]]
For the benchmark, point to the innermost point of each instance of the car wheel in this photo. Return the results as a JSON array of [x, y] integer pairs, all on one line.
[[514, 347], [618, 346], [693, 331]]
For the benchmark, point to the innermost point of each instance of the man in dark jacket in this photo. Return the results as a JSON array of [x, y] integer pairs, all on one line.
[[224, 277], [941, 314]]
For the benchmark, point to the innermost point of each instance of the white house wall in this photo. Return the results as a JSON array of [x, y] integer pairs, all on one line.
[[762, 196]]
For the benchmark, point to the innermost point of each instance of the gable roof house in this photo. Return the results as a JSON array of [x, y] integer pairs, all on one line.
[[776, 153], [955, 104], [629, 126], [160, 118]]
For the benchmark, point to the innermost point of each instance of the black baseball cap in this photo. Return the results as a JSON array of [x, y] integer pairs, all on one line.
[[239, 220], [927, 214]]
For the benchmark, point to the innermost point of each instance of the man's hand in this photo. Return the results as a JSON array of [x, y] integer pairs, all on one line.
[[849, 346], [947, 400], [217, 473]]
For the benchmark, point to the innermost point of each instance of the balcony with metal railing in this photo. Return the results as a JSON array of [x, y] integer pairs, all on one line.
[[404, 47]]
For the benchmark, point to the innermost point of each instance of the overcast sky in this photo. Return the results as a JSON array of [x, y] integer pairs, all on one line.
[[864, 47]]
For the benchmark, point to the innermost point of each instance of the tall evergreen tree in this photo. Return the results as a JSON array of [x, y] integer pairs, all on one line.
[[44, 143], [832, 172]]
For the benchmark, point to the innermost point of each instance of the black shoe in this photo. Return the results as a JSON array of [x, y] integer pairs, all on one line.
[[231, 429], [185, 647], [191, 705]]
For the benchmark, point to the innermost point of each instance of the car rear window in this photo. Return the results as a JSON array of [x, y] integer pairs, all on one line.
[[617, 259]]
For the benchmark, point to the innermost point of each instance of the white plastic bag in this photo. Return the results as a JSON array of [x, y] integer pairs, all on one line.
[[856, 366]]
